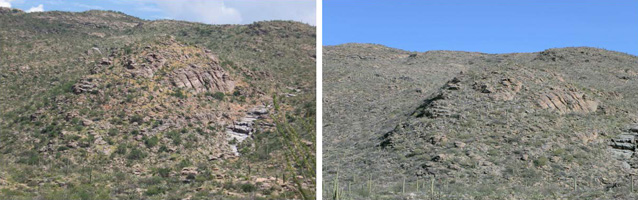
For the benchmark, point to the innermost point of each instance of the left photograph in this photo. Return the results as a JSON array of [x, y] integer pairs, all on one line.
[[157, 99]]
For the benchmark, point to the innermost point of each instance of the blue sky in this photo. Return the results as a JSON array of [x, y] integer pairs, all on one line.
[[205, 11], [490, 26]]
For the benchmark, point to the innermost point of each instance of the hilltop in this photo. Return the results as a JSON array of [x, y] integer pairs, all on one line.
[[556, 123], [103, 105]]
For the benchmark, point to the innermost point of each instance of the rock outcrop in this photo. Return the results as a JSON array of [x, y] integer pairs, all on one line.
[[623, 147], [85, 85], [567, 102], [153, 63], [211, 78], [244, 128]]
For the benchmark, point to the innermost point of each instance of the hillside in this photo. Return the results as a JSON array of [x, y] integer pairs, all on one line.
[[102, 105], [560, 123]]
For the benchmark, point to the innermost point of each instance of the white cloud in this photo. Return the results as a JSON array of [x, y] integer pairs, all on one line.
[[229, 12], [296, 10], [5, 3], [39, 8], [214, 12]]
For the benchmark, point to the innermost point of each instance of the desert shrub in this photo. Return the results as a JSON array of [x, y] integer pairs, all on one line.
[[175, 136], [164, 172], [248, 187], [217, 95], [52, 130], [113, 132], [121, 149], [155, 190], [179, 93], [151, 142], [30, 158], [541, 161], [136, 118], [184, 163], [136, 154], [130, 98], [163, 148]]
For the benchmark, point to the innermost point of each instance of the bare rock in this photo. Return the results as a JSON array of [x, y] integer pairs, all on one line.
[[72, 144], [188, 171], [459, 144], [85, 85], [211, 78], [86, 122], [453, 84], [439, 158], [567, 102]]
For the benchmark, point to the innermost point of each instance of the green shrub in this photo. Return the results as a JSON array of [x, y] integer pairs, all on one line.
[[164, 172], [233, 141], [130, 98], [248, 187], [121, 149], [217, 95], [30, 158], [155, 190], [136, 154], [541, 161], [136, 118], [175, 136], [113, 132], [52, 130], [184, 163], [151, 142], [163, 148], [179, 93]]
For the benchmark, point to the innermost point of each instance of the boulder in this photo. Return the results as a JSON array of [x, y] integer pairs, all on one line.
[[260, 110], [86, 122], [459, 144]]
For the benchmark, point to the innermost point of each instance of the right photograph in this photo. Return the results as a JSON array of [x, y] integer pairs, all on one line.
[[480, 99]]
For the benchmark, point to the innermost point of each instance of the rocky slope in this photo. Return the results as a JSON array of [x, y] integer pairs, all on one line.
[[551, 124], [102, 105]]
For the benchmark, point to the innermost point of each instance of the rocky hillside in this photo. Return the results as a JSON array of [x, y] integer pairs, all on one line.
[[553, 124], [102, 105]]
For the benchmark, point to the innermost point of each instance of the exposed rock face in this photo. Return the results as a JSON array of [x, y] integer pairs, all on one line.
[[567, 102], [623, 147], [153, 62], [85, 85], [210, 78], [434, 107], [171, 64], [244, 128], [505, 90]]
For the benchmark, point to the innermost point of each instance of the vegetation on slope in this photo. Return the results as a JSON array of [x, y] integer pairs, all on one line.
[[91, 110], [465, 125]]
